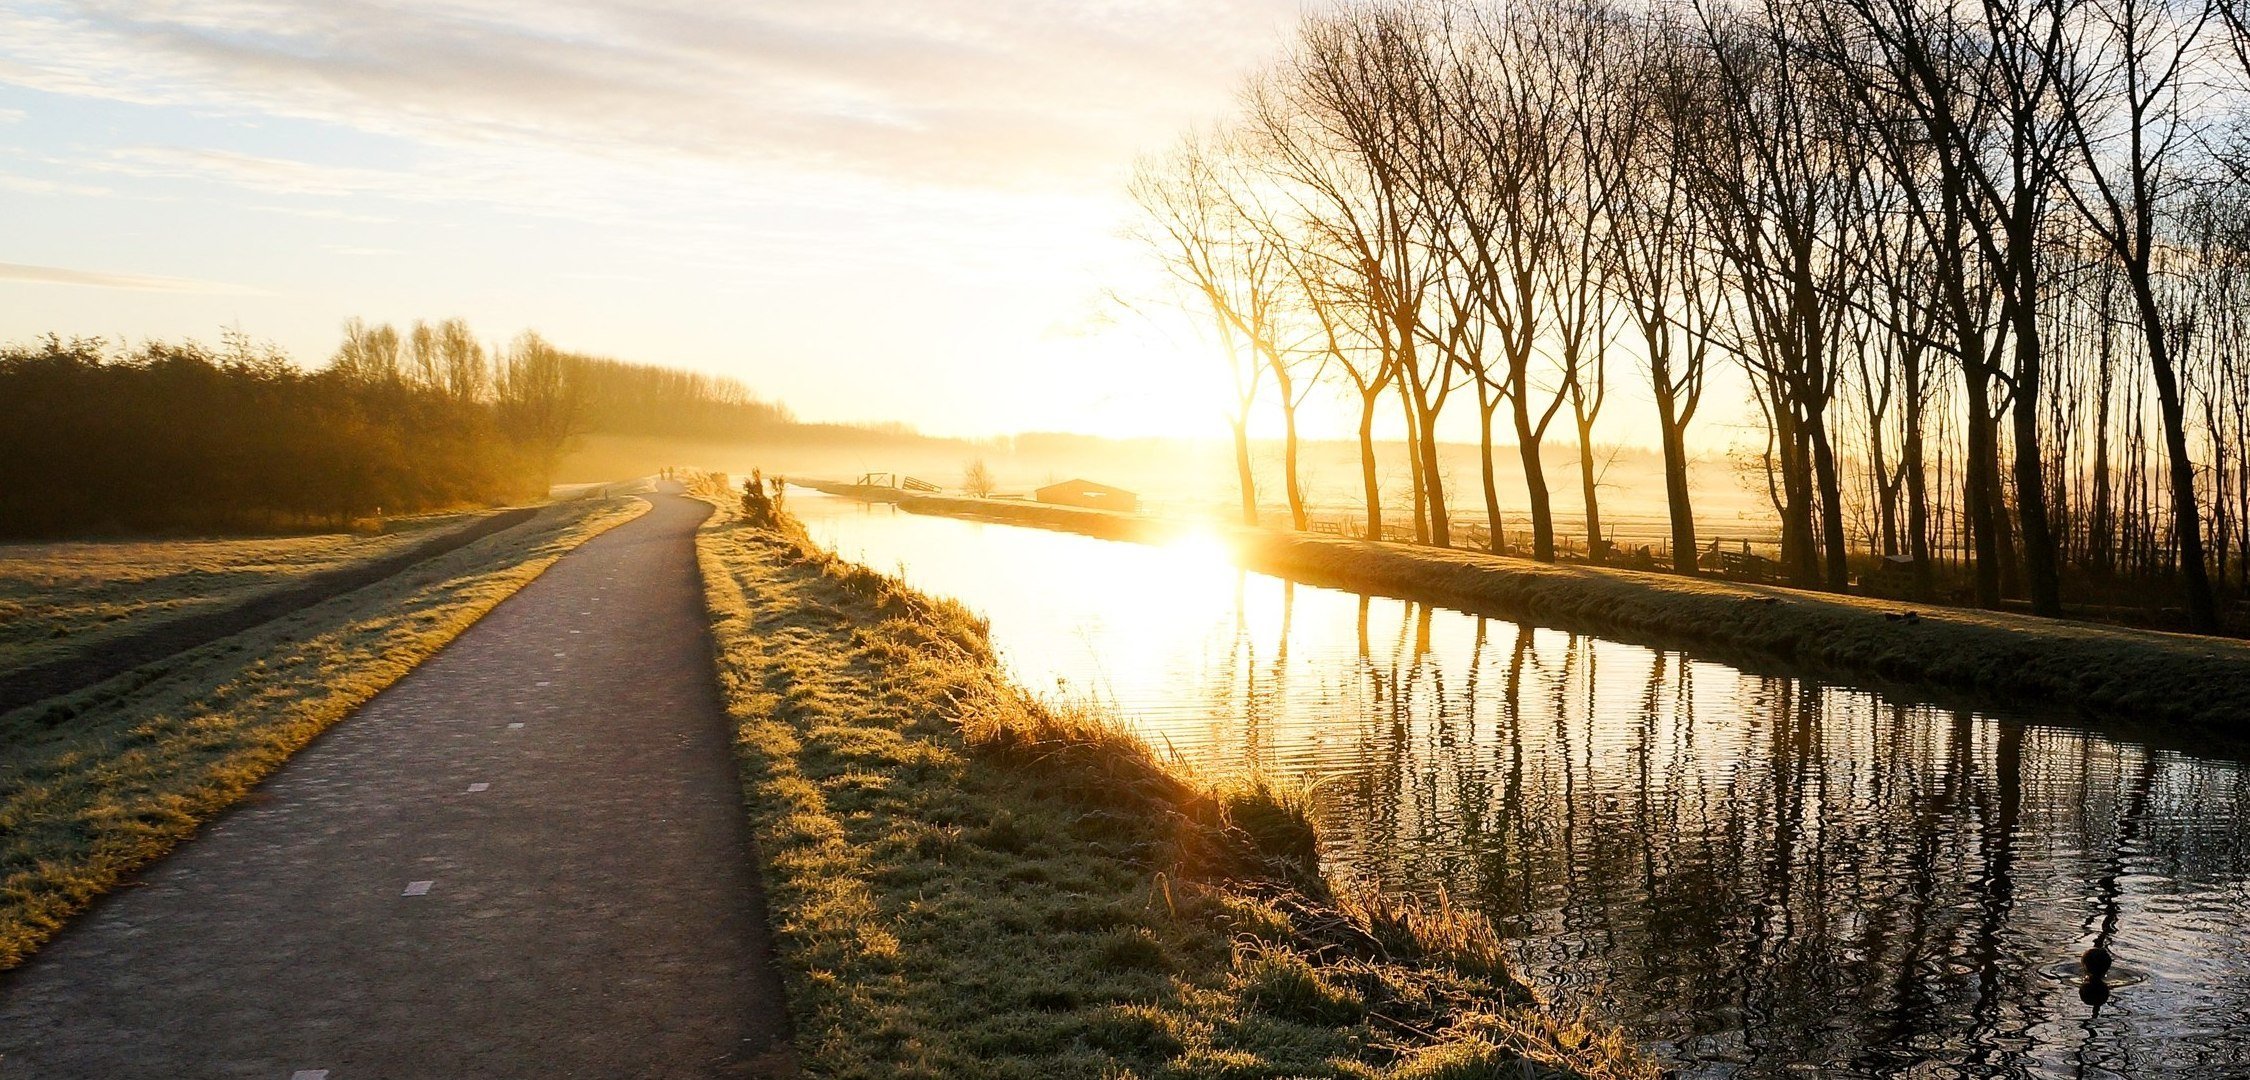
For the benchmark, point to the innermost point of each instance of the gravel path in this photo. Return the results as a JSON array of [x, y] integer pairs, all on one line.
[[526, 859]]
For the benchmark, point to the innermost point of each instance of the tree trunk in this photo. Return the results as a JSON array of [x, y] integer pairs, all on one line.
[[1796, 490], [1917, 493], [2187, 518], [1243, 473], [2101, 528], [1440, 526], [1676, 501], [1485, 409], [1534, 480], [2039, 555], [1293, 486], [1414, 469], [1594, 546], [1835, 547], [1373, 492], [1976, 484]]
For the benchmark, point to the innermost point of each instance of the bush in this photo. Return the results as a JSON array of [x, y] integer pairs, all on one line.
[[761, 500]]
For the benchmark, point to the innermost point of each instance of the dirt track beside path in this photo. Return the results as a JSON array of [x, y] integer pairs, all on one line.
[[123, 654], [561, 779]]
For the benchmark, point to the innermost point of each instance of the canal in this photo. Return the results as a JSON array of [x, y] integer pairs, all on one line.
[[1754, 874]]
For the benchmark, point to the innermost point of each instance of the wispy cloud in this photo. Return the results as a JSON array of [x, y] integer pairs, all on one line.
[[57, 275], [949, 91]]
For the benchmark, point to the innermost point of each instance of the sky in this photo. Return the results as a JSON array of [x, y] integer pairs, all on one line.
[[870, 210]]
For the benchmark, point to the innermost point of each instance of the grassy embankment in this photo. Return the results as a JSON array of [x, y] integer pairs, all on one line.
[[966, 883], [68, 597], [96, 783], [2144, 676]]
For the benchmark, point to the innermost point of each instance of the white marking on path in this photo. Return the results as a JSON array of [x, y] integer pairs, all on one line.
[[474, 788], [514, 726], [309, 1074], [418, 888]]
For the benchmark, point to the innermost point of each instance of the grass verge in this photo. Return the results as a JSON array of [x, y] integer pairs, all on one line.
[[70, 596], [97, 783], [966, 883], [2148, 677]]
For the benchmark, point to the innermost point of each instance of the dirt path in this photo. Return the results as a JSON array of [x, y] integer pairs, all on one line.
[[526, 859]]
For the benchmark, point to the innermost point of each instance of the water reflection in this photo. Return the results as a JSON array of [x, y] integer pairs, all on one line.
[[1753, 872]]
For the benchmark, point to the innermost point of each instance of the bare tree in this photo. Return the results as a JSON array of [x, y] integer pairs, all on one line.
[[1655, 251], [1353, 81], [541, 398], [2127, 119], [976, 479], [1193, 228]]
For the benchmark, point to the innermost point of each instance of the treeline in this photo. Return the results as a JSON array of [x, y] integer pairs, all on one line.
[[643, 399], [103, 438], [1982, 265]]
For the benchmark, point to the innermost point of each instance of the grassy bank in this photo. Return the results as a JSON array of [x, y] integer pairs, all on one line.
[[96, 783], [60, 598], [965, 883], [2144, 676]]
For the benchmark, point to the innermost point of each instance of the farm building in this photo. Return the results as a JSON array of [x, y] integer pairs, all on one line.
[[1088, 494]]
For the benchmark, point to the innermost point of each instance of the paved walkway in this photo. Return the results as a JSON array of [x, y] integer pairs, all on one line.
[[526, 859]]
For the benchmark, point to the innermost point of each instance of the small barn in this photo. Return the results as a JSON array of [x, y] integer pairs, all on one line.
[[1088, 494]]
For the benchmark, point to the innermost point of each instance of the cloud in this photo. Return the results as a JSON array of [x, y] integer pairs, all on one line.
[[56, 275], [39, 186], [983, 92], [273, 176]]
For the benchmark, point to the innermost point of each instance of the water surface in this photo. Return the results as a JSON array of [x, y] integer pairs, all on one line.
[[1756, 875]]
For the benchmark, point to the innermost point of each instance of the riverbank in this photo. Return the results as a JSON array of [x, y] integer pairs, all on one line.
[[96, 783], [2146, 677], [964, 882]]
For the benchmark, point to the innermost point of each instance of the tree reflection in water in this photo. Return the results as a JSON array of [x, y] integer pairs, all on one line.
[[1749, 870]]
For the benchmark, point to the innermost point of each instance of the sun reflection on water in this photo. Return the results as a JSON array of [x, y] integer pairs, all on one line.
[[1752, 870]]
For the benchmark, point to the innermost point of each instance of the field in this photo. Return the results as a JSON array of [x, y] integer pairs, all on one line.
[[59, 598], [96, 783]]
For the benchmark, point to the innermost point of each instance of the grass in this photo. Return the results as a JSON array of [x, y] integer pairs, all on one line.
[[97, 783], [2104, 672], [963, 882], [59, 598]]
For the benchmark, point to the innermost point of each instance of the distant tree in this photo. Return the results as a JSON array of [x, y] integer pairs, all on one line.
[[976, 479], [541, 396]]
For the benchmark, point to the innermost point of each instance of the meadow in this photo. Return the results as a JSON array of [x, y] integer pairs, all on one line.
[[71, 596]]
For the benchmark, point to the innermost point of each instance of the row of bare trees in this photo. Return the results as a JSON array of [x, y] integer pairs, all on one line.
[[1981, 264]]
